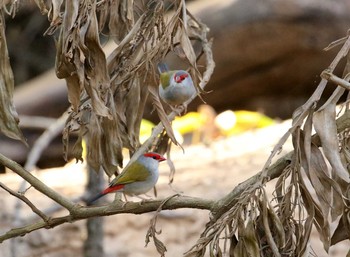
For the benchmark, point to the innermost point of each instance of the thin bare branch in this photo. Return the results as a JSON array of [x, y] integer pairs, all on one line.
[[36, 183], [35, 122], [335, 79], [24, 199], [152, 231], [79, 212], [217, 207], [300, 113], [44, 140]]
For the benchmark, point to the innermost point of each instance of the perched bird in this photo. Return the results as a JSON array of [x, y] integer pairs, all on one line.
[[136, 179], [175, 86]]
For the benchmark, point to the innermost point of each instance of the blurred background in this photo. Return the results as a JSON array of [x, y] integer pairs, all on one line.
[[269, 55]]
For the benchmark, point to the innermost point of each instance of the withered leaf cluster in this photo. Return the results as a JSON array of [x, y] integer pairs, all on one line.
[[108, 94], [312, 191], [8, 115]]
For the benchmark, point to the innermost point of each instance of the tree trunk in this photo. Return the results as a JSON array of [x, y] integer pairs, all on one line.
[[93, 245]]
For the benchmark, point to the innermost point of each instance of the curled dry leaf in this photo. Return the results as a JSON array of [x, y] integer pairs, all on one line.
[[161, 113], [8, 115], [342, 232], [247, 244], [324, 121], [121, 18], [42, 6], [108, 95], [309, 193]]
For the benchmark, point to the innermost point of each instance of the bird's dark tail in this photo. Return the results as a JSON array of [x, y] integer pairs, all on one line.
[[94, 198], [162, 67]]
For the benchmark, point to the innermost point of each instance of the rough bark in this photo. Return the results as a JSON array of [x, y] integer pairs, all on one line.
[[93, 245]]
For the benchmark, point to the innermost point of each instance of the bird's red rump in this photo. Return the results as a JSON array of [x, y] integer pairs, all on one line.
[[180, 78], [112, 189]]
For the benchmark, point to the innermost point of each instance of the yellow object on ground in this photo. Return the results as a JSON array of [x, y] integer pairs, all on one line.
[[188, 123], [234, 122]]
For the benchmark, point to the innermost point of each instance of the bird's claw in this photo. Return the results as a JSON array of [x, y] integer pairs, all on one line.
[[178, 110], [143, 201]]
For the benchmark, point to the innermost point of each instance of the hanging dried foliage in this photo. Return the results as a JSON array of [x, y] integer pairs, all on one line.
[[311, 192], [8, 115], [108, 94]]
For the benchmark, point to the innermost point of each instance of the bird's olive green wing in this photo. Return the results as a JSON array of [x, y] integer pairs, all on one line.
[[165, 78], [135, 172]]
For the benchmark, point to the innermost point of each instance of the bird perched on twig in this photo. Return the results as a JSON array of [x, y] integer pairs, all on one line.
[[176, 86], [136, 179]]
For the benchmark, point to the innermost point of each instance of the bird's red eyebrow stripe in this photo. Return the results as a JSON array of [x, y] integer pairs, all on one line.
[[181, 77]]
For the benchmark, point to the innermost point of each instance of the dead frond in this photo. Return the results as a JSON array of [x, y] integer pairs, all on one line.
[[8, 115], [108, 94], [311, 192]]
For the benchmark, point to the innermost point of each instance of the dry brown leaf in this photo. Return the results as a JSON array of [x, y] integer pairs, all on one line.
[[342, 232], [170, 164], [93, 142], [187, 47], [305, 232], [315, 168], [328, 190], [320, 179], [96, 75], [55, 10], [109, 94], [121, 18], [324, 122], [42, 6], [318, 211], [74, 85], [8, 116], [161, 113], [132, 105], [247, 244]]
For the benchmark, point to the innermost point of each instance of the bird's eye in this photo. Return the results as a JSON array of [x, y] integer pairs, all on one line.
[[154, 157], [180, 78]]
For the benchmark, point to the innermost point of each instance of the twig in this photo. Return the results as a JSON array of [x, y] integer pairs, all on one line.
[[152, 231], [40, 144], [54, 208], [335, 43], [217, 208], [300, 114], [53, 128], [272, 172], [326, 74], [267, 229], [79, 212], [36, 183], [44, 140], [24, 199], [35, 122]]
